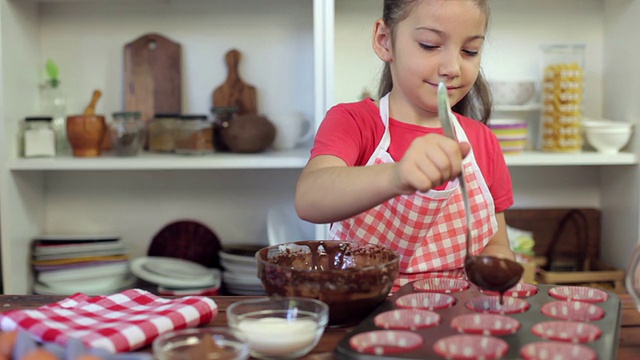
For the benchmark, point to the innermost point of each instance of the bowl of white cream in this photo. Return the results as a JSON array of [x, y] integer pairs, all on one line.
[[279, 327]]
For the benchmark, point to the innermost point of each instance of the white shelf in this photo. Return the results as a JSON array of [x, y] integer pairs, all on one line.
[[517, 108], [293, 159], [586, 158]]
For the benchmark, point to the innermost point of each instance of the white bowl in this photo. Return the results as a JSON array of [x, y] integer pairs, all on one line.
[[610, 124], [279, 327], [608, 140], [512, 92]]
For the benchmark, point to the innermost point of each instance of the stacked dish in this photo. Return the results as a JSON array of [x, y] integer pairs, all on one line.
[[511, 133], [176, 276], [240, 275], [91, 264]]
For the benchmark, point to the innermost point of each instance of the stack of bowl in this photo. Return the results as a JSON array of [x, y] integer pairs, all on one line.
[[512, 93], [511, 133]]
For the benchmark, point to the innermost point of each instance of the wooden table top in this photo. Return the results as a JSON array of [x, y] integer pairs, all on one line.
[[629, 345]]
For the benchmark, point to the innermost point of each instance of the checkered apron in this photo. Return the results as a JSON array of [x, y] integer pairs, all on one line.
[[427, 229]]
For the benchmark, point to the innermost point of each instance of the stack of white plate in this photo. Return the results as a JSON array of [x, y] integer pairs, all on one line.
[[177, 276], [91, 264], [240, 275]]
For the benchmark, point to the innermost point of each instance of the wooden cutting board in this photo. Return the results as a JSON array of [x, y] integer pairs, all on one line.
[[152, 80], [234, 91]]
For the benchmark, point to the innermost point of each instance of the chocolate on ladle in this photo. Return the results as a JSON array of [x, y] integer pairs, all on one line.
[[493, 273]]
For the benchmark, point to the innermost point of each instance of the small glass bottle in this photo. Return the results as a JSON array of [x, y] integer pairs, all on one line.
[[160, 132], [221, 118], [127, 133], [193, 135], [562, 89], [53, 103], [39, 137]]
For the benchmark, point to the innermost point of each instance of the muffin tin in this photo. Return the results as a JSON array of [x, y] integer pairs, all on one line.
[[426, 320]]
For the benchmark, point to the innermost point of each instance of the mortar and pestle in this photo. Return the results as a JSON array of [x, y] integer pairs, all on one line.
[[87, 131]]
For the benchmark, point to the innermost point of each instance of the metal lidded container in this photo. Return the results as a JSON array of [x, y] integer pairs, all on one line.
[[39, 138]]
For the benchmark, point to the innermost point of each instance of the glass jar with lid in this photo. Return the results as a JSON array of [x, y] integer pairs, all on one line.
[[39, 138], [161, 130], [193, 135], [127, 133], [562, 89]]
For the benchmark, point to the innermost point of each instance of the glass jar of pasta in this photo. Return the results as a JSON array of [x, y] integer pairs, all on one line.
[[562, 89]]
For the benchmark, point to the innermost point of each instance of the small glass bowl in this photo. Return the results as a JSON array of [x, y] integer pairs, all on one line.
[[279, 327], [201, 343]]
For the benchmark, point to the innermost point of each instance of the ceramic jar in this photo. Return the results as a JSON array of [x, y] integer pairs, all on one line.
[[85, 134]]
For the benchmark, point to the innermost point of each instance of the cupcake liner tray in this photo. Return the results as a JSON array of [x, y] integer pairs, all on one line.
[[552, 321]]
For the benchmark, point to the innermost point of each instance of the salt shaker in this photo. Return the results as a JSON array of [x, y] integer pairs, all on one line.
[[39, 137]]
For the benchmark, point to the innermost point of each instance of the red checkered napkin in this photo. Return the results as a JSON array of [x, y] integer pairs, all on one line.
[[120, 322]]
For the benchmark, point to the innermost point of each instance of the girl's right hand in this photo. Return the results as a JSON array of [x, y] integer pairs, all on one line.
[[431, 160]]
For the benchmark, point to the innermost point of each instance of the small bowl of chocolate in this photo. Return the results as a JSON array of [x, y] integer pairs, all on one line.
[[201, 343], [352, 278]]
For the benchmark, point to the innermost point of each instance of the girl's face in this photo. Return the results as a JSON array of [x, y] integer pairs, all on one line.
[[440, 39]]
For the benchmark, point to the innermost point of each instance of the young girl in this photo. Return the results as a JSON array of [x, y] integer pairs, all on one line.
[[382, 172]]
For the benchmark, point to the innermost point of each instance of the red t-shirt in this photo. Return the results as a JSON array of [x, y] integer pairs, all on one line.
[[352, 131]]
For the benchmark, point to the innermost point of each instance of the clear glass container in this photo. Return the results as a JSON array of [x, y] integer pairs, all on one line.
[[221, 118], [127, 133], [562, 94], [193, 135], [53, 103], [160, 132], [39, 138]]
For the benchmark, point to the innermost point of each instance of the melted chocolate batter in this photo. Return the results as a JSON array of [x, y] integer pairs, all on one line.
[[493, 273], [352, 278]]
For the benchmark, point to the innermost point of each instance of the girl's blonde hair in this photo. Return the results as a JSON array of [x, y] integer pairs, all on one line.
[[477, 103]]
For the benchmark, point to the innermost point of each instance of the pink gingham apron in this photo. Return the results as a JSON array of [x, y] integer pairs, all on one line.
[[428, 228]]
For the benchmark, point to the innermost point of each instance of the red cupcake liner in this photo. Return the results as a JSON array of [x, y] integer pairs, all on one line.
[[426, 301], [491, 304], [471, 347], [572, 310], [579, 293], [567, 331], [406, 319], [385, 342], [545, 350], [441, 285], [485, 324], [520, 290]]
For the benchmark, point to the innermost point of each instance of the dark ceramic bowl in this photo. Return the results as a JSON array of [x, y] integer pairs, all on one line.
[[350, 277]]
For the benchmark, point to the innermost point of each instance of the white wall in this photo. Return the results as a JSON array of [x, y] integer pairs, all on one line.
[[276, 59]]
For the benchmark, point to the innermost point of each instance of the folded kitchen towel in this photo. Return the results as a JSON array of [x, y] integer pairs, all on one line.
[[120, 322]]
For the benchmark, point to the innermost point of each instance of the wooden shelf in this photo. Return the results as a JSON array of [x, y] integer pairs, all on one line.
[[150, 161], [586, 158]]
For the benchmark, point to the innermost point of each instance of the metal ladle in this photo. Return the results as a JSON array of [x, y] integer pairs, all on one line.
[[486, 272]]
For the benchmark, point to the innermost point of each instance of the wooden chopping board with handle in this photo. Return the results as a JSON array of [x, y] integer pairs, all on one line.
[[152, 76], [234, 92]]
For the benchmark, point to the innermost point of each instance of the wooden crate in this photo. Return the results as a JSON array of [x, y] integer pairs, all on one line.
[[599, 275], [575, 239]]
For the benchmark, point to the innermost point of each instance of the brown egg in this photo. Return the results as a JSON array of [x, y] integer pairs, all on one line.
[[40, 354], [7, 342]]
